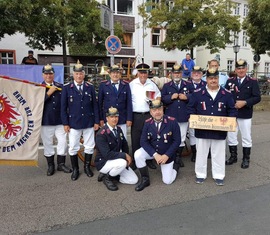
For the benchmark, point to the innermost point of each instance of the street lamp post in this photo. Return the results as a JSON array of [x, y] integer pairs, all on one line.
[[236, 49]]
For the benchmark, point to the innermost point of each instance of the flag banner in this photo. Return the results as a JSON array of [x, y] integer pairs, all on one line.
[[21, 108], [33, 73]]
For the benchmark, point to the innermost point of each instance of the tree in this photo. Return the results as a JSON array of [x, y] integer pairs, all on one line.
[[48, 23], [257, 25], [192, 23]]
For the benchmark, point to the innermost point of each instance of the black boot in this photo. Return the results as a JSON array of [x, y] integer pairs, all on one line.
[[145, 181], [100, 177], [87, 162], [75, 167], [246, 158], [108, 181], [51, 166], [176, 164], [194, 152], [61, 164], [179, 155], [151, 164], [233, 157]]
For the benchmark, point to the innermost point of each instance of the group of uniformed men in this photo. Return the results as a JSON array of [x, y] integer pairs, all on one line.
[[158, 121]]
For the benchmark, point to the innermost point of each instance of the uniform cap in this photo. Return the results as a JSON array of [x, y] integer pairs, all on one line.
[[78, 67], [240, 64], [212, 72], [112, 112], [143, 68], [115, 68], [30, 52], [197, 69], [154, 104], [176, 68], [48, 69]]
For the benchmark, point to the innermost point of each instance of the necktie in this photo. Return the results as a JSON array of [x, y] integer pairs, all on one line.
[[114, 87], [80, 88], [239, 81], [115, 132]]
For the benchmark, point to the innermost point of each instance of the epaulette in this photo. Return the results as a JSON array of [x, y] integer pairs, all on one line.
[[231, 78], [104, 81], [227, 90], [66, 84], [188, 81], [148, 120], [198, 89], [171, 118], [255, 79], [125, 81]]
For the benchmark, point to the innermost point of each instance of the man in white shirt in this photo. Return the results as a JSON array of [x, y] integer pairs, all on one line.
[[142, 91]]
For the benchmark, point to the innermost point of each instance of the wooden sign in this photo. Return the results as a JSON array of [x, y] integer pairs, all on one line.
[[217, 123]]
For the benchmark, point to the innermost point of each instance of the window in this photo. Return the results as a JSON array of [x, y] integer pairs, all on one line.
[[245, 13], [237, 9], [156, 37], [158, 69], [244, 41], [267, 68], [7, 57], [169, 66], [151, 7], [170, 5], [229, 65], [124, 7]]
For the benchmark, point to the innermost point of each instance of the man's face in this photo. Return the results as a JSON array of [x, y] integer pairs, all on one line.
[[241, 72], [48, 77], [142, 76], [212, 83], [214, 64], [196, 76], [112, 120], [176, 76], [30, 55], [78, 77], [157, 113], [187, 57], [115, 76]]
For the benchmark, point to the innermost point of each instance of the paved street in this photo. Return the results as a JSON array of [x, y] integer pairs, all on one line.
[[32, 203]]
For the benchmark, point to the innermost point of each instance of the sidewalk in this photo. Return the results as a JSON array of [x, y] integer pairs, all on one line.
[[32, 202]]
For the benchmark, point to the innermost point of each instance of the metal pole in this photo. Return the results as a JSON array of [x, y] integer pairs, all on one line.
[[112, 29]]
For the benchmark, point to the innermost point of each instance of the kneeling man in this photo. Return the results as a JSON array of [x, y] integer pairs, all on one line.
[[113, 159], [159, 140]]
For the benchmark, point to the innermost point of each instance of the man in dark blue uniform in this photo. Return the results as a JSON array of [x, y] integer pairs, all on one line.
[[52, 123], [246, 93], [212, 100], [160, 140], [197, 83], [115, 93], [175, 95], [113, 157], [79, 113]]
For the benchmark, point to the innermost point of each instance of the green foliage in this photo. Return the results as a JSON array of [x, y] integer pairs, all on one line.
[[257, 25], [192, 23], [48, 23]]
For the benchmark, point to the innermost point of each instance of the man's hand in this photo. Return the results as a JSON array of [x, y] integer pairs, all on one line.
[[67, 128], [174, 96], [240, 104], [182, 96], [129, 123], [51, 90], [164, 158], [96, 127], [129, 159]]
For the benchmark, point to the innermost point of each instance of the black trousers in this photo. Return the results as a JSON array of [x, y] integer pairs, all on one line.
[[136, 129]]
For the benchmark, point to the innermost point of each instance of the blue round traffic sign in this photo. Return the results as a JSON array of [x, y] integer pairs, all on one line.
[[113, 44]]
